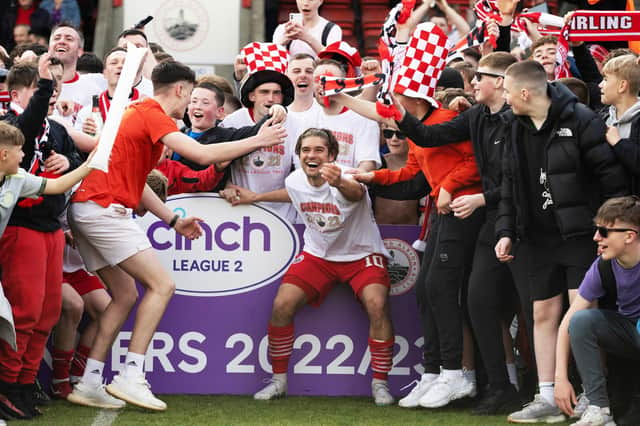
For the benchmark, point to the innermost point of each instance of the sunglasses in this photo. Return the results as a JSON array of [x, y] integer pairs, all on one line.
[[604, 231], [388, 134], [480, 74]]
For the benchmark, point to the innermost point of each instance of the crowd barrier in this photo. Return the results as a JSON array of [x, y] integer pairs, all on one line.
[[212, 338]]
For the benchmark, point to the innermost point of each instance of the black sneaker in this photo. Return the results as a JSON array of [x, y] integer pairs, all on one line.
[[11, 402], [28, 402], [631, 417], [40, 397], [8, 411], [498, 401]]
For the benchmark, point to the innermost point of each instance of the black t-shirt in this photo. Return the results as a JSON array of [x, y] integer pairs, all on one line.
[[539, 196]]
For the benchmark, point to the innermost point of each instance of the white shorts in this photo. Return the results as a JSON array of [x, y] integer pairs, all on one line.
[[105, 236]]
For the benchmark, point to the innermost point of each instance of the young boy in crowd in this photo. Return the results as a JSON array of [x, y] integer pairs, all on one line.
[[619, 89], [589, 327], [16, 183]]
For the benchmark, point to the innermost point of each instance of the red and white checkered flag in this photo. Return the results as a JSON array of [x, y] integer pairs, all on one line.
[[424, 60], [265, 56]]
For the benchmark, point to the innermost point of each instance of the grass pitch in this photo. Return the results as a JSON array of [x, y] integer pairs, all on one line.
[[243, 410]]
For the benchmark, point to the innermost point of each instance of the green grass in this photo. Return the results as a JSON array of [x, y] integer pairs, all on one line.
[[242, 410]]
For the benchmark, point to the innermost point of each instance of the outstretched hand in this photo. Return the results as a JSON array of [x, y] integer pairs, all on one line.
[[189, 227], [272, 134]]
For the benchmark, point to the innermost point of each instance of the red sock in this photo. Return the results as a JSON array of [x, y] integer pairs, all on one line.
[[381, 357], [80, 360], [61, 363], [280, 347]]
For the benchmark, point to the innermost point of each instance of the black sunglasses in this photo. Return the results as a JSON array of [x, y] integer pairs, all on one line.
[[604, 231], [388, 134], [479, 75]]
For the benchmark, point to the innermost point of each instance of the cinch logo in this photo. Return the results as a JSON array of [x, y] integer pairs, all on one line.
[[242, 248]]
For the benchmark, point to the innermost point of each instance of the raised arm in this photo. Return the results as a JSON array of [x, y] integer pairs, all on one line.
[[208, 154]]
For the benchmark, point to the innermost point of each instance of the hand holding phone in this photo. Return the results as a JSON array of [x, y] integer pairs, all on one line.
[[296, 18]]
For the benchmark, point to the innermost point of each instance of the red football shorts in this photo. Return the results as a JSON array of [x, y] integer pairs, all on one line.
[[82, 281], [317, 276]]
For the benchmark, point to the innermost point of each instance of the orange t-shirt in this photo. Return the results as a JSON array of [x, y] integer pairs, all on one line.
[[136, 151]]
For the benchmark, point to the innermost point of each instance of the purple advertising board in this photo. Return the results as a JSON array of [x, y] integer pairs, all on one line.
[[212, 338]]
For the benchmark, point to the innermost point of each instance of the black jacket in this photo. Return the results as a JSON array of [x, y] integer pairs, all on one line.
[[41, 217], [486, 132], [628, 152], [582, 170]]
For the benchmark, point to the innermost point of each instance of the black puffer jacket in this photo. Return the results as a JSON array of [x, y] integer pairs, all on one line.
[[582, 170]]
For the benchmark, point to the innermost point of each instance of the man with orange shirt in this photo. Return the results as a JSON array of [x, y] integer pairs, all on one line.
[[116, 249], [451, 172]]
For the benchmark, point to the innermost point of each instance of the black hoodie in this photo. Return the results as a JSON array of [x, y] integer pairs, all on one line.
[[555, 178]]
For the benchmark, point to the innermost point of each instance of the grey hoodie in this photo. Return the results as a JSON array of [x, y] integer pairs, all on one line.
[[623, 123]]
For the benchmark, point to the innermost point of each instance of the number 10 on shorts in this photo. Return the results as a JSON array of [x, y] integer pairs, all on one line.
[[373, 260]]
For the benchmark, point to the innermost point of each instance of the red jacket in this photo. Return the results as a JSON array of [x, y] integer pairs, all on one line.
[[452, 167], [184, 179]]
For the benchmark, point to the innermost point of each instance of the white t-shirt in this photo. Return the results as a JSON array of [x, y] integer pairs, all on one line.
[[298, 46], [145, 86], [80, 89], [22, 184], [265, 169], [337, 229], [358, 137]]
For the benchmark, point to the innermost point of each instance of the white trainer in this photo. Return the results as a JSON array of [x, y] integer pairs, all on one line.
[[136, 391], [380, 393], [581, 406], [275, 389], [595, 416], [412, 400], [93, 396], [445, 390]]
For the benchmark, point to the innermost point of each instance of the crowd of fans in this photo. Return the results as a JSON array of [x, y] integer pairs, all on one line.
[[506, 167]]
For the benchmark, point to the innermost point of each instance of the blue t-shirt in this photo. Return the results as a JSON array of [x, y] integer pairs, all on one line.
[[627, 283], [191, 134]]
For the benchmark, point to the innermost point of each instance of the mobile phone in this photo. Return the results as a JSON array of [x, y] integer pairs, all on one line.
[[296, 17]]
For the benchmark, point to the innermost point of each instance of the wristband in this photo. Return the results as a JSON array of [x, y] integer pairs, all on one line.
[[174, 221]]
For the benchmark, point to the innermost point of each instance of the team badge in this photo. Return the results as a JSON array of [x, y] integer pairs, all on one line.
[[403, 266]]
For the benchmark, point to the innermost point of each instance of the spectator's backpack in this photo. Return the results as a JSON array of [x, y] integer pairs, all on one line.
[[610, 299]]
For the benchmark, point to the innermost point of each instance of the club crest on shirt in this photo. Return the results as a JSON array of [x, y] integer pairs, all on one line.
[[403, 266]]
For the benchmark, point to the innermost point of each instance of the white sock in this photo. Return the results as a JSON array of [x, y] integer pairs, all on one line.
[[452, 374], [546, 392], [470, 375], [93, 372], [378, 381], [281, 377], [512, 372], [133, 365]]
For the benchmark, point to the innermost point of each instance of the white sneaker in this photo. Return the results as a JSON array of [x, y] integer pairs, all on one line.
[[381, 394], [421, 387], [445, 390], [93, 396], [136, 391], [595, 416], [581, 406], [275, 389], [74, 380]]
